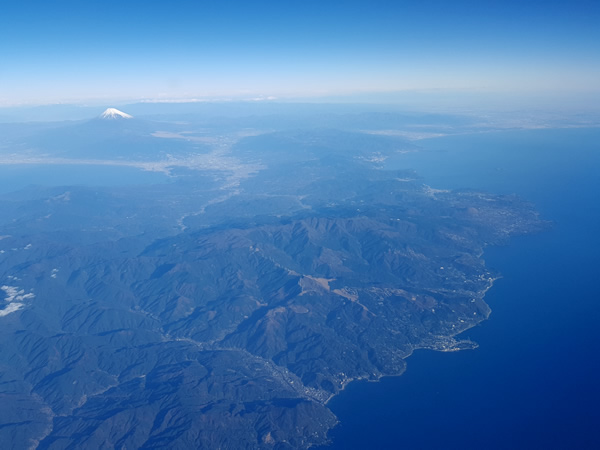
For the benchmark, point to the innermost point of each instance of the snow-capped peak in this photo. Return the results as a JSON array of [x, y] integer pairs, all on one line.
[[112, 113]]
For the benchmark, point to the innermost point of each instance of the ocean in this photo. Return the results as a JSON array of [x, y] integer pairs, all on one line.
[[533, 382]]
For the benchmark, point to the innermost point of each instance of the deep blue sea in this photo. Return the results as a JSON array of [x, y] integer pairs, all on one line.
[[534, 382]]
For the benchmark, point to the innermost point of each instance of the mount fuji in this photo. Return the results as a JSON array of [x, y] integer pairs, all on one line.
[[113, 113], [110, 135]]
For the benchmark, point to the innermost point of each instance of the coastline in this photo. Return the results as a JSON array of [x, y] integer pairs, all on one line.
[[347, 382]]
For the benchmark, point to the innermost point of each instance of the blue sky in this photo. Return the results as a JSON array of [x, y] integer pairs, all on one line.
[[64, 51]]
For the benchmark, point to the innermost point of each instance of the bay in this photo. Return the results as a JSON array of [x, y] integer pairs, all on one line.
[[14, 177]]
